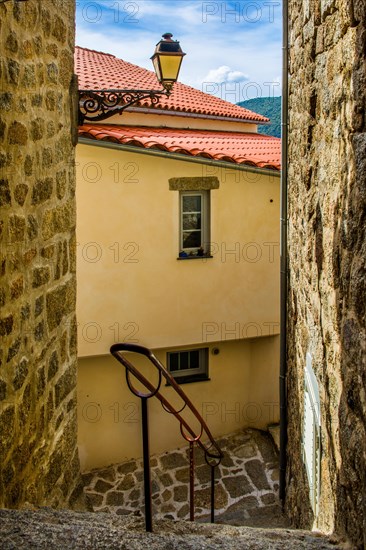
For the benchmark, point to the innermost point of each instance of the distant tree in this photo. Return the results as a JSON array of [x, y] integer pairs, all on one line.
[[269, 107]]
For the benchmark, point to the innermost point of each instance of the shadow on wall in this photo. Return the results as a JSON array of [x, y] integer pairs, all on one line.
[[349, 265], [298, 505]]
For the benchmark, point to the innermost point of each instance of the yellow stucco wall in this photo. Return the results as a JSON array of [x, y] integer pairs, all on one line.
[[242, 391], [131, 287]]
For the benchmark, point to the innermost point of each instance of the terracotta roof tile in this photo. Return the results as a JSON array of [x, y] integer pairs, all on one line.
[[240, 148], [98, 70]]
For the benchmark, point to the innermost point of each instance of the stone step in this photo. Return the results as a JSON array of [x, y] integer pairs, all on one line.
[[48, 529], [274, 430], [246, 484]]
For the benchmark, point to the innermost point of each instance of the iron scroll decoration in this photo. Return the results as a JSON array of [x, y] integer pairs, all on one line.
[[96, 105]]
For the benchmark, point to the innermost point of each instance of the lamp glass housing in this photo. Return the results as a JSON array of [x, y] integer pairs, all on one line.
[[167, 60]]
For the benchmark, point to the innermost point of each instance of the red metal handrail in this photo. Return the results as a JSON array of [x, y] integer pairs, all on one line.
[[213, 453]]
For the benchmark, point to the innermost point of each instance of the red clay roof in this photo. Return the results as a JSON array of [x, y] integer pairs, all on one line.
[[98, 70], [256, 150]]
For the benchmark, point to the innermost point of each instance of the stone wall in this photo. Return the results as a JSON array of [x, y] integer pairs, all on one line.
[[39, 460], [327, 250]]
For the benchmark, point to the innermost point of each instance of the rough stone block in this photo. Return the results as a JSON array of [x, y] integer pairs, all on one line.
[[13, 72], [17, 134], [7, 419], [173, 460], [42, 191], [127, 467], [128, 482], [255, 471], [37, 129], [60, 302], [41, 276], [21, 373], [12, 43], [3, 390], [5, 197], [17, 288], [203, 497], [29, 256], [237, 485], [16, 228], [180, 493], [20, 193], [58, 220], [65, 385], [102, 486]]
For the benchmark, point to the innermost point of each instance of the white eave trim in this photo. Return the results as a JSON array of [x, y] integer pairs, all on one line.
[[166, 112]]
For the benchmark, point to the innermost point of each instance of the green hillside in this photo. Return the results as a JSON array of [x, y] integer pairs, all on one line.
[[269, 107]]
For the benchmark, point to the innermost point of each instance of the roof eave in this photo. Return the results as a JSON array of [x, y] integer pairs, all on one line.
[[273, 171], [185, 114]]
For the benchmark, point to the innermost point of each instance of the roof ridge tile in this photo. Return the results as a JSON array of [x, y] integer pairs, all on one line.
[[99, 70]]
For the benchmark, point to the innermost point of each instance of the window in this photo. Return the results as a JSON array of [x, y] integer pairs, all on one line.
[[189, 365], [194, 224]]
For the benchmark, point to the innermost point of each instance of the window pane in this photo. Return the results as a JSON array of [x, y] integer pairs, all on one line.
[[174, 361], [191, 221], [192, 203], [189, 365], [191, 239], [184, 360], [194, 359]]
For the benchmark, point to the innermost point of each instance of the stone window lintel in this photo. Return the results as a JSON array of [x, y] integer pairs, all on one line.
[[194, 184]]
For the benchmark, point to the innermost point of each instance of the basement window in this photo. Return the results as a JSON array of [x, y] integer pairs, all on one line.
[[189, 365], [311, 433]]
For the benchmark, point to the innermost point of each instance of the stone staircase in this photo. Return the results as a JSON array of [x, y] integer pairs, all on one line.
[[47, 529], [246, 484], [248, 516]]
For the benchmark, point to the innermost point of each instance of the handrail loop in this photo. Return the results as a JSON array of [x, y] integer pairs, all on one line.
[[174, 411], [215, 454]]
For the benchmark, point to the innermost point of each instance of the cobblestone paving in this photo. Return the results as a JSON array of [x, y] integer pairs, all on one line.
[[246, 484]]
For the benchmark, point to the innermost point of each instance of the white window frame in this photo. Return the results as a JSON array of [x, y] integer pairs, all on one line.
[[205, 221], [190, 374]]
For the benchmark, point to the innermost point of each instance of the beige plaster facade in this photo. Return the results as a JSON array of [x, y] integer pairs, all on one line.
[[131, 284], [132, 287], [241, 391]]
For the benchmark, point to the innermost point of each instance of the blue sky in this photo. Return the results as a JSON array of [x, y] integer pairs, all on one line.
[[233, 48]]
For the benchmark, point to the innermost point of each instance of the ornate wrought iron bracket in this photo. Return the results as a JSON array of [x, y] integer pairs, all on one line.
[[96, 105]]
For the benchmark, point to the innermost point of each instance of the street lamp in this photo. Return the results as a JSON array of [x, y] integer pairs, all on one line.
[[167, 60], [96, 105]]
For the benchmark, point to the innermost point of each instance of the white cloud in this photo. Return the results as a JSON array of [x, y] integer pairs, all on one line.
[[225, 74], [240, 59]]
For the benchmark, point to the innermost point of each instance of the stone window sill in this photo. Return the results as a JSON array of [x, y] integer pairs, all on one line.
[[190, 379], [205, 257]]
